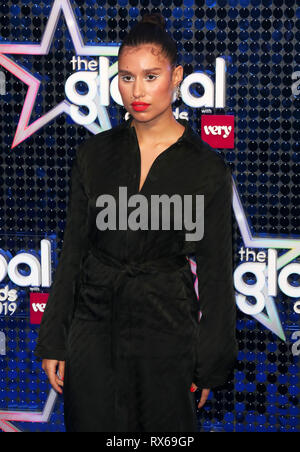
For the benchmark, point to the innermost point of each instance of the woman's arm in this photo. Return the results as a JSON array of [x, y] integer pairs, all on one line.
[[56, 319], [217, 346]]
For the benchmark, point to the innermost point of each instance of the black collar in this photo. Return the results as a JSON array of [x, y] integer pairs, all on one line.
[[188, 135]]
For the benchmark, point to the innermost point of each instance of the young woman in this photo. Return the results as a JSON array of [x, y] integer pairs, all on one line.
[[121, 332]]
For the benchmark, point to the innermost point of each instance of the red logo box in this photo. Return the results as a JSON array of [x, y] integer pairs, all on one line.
[[218, 130], [38, 303]]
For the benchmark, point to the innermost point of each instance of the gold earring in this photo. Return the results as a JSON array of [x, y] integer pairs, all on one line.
[[178, 93]]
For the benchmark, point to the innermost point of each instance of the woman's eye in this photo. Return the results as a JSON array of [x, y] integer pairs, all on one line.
[[125, 78], [129, 78], [152, 76]]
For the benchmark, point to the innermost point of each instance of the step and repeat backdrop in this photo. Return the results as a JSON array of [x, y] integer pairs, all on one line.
[[241, 93]]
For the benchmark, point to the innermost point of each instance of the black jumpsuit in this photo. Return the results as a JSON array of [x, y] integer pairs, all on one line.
[[122, 310]]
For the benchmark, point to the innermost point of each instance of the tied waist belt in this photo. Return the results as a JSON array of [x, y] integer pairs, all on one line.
[[132, 269]]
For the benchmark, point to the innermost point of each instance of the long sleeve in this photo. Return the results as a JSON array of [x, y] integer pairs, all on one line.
[[51, 343], [216, 344]]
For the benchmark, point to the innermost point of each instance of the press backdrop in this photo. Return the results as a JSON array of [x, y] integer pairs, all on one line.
[[241, 93]]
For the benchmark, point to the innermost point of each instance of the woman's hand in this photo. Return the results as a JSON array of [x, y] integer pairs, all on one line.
[[204, 395], [50, 367]]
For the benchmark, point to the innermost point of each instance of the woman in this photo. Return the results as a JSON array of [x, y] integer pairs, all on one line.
[[121, 325]]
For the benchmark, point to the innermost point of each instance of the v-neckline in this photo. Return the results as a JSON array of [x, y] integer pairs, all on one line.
[[139, 190]]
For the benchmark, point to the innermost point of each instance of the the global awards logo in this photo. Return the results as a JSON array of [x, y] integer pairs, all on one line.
[[271, 261]]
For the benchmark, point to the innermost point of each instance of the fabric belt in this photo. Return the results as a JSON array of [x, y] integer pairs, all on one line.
[[132, 269]]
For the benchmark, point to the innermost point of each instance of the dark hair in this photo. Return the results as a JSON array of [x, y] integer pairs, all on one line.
[[151, 30]]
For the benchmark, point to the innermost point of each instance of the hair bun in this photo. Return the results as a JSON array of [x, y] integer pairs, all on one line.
[[154, 18]]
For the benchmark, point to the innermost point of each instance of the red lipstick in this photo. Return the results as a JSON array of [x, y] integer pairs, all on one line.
[[139, 106]]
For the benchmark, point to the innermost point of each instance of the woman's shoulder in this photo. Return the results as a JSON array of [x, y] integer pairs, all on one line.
[[103, 141], [111, 133], [205, 157]]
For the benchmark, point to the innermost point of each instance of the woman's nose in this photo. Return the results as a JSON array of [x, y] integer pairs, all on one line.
[[138, 88]]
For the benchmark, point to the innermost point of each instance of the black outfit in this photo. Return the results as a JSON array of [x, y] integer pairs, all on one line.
[[122, 310]]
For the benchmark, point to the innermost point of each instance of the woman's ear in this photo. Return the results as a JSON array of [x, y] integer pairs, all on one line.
[[177, 75]]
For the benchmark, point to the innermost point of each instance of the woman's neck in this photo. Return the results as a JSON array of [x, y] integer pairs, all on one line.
[[162, 129]]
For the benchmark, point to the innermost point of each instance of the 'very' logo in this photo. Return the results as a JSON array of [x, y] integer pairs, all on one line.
[[218, 130]]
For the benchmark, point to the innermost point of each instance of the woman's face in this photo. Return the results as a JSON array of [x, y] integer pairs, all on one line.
[[146, 76]]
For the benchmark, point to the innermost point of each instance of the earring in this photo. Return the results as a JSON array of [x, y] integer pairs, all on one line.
[[178, 93]]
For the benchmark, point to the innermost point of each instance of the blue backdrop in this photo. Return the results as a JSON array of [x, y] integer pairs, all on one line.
[[259, 41]]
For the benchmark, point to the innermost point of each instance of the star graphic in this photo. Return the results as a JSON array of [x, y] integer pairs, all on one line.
[[27, 416], [270, 319], [24, 129]]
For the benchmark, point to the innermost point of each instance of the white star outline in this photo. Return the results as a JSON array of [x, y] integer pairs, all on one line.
[[27, 416], [270, 320], [24, 130]]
